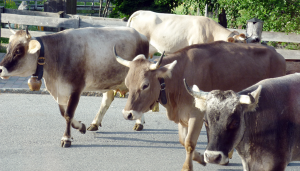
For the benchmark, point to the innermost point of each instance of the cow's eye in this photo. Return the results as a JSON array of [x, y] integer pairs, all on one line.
[[18, 52], [234, 124], [145, 86]]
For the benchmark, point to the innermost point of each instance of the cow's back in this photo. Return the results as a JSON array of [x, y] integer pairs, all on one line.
[[223, 66], [170, 32], [275, 125], [85, 56]]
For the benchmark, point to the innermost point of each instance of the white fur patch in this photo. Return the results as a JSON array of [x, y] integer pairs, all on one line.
[[76, 124], [200, 104], [141, 120], [195, 88], [135, 115], [67, 139], [241, 38], [139, 57]]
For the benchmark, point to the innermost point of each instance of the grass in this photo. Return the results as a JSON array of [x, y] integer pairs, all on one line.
[[285, 45]]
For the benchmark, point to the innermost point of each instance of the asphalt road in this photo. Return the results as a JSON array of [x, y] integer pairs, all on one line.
[[31, 129]]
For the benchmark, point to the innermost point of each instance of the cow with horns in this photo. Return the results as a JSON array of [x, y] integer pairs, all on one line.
[[261, 122], [218, 65], [75, 60]]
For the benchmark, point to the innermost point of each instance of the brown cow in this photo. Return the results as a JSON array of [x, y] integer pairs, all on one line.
[[218, 65], [76, 60]]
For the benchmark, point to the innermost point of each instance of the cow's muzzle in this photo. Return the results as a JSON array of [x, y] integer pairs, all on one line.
[[216, 157], [3, 73], [131, 114]]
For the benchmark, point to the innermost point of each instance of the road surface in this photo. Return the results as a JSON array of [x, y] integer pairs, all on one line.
[[31, 129]]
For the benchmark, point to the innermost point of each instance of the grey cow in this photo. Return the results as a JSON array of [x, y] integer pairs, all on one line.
[[261, 122]]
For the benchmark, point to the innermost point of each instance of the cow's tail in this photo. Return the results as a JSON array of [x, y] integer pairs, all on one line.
[[131, 17]]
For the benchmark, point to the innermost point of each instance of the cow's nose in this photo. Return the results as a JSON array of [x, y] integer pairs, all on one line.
[[129, 117], [0, 71], [213, 158]]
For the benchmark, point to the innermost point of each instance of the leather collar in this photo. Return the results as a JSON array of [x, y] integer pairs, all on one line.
[[41, 61]]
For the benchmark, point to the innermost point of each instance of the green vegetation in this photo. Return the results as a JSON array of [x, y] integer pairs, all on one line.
[[278, 15], [127, 7], [10, 4], [284, 45], [4, 40]]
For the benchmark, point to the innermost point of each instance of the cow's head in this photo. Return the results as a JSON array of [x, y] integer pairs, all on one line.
[[143, 84], [21, 56], [239, 38], [224, 119]]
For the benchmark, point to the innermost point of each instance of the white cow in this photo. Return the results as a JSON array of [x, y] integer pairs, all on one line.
[[170, 32]]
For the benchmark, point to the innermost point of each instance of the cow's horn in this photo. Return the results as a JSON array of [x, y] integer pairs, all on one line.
[[119, 59], [27, 33], [157, 65], [10, 29], [198, 94]]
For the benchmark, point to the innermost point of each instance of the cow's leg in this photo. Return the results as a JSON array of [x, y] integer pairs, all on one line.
[[107, 98], [75, 124], [182, 137], [139, 124], [68, 113], [191, 134]]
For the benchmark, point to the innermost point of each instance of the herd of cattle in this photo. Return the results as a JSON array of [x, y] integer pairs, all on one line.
[[236, 93]]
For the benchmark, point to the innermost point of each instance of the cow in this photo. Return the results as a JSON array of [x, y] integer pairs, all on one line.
[[170, 32], [216, 65], [76, 60], [262, 122]]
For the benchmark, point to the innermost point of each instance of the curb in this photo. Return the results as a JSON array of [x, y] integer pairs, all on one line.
[[44, 91]]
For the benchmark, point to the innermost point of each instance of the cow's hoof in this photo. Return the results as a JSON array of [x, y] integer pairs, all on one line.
[[202, 160], [230, 154], [65, 143], [83, 129], [226, 163], [93, 127], [138, 127]]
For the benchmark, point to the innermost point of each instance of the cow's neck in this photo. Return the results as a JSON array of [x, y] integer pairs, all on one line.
[[52, 63], [172, 95], [41, 60]]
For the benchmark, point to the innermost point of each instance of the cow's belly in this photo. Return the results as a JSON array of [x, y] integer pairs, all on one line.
[[94, 87], [169, 46], [59, 89]]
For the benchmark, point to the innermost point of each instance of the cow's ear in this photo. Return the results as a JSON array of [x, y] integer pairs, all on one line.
[[34, 46], [243, 36], [230, 39], [166, 71], [200, 103], [251, 99]]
